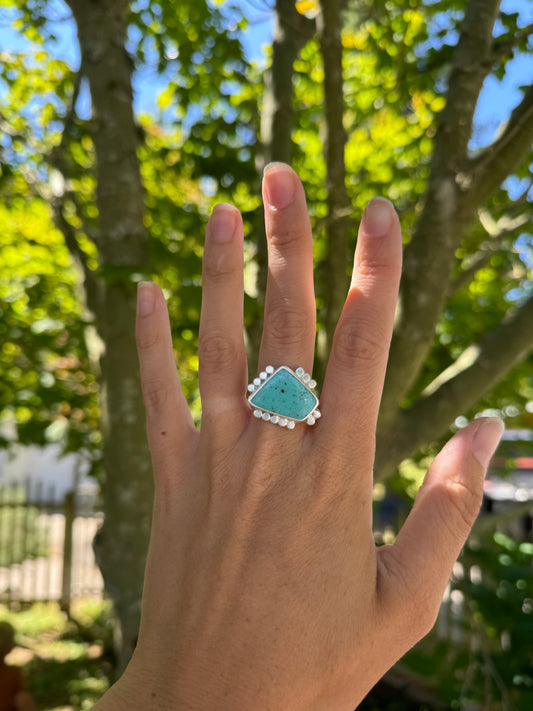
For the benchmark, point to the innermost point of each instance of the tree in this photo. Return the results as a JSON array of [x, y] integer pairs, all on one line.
[[363, 97], [96, 159]]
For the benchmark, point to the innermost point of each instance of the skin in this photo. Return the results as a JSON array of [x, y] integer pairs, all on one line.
[[263, 586], [24, 702]]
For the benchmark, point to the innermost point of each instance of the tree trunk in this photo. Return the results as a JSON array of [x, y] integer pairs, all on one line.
[[335, 277], [291, 32], [121, 544]]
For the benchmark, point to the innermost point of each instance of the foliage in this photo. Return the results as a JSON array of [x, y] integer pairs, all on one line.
[[65, 661], [46, 382], [198, 148], [198, 144], [483, 653]]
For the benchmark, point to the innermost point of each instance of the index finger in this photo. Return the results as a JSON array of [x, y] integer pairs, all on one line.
[[358, 360]]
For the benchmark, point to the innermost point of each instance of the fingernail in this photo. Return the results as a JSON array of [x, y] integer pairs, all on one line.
[[145, 298], [279, 182], [222, 223], [378, 216], [486, 439]]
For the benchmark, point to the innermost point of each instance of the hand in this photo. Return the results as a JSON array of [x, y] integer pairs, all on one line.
[[264, 589]]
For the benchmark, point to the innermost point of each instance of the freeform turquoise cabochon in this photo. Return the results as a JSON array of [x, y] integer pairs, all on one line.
[[284, 394]]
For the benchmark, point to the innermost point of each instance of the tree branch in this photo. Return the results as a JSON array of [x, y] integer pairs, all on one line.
[[435, 237], [89, 283], [58, 160], [457, 389], [501, 48], [71, 112], [486, 172], [89, 231], [506, 226], [303, 26], [477, 261], [55, 195]]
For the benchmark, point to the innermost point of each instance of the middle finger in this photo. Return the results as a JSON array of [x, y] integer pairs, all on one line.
[[290, 309]]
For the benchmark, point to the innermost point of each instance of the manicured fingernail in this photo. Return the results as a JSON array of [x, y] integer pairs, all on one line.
[[378, 216], [222, 223], [145, 298], [279, 183], [486, 439]]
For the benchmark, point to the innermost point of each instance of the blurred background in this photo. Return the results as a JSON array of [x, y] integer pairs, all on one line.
[[121, 125]]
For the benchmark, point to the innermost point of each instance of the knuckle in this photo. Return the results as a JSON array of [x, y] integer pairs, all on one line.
[[215, 351], [463, 502], [357, 344], [155, 394], [285, 324], [218, 265], [377, 262], [147, 338], [285, 236]]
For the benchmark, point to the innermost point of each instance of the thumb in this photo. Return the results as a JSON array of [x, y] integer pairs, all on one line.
[[445, 510]]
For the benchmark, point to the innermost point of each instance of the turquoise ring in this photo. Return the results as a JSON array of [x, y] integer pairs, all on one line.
[[284, 397]]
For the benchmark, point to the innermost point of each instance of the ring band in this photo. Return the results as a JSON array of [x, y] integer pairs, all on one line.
[[284, 397]]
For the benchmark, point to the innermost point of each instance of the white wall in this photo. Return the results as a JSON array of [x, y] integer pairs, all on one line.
[[57, 474]]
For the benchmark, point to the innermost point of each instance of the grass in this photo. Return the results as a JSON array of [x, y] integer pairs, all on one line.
[[66, 661]]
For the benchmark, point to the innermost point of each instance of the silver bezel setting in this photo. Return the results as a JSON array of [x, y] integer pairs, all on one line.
[[274, 417]]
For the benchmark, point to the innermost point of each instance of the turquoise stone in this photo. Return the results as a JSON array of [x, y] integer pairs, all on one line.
[[285, 395]]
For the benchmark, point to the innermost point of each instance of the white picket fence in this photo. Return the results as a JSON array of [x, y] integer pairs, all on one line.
[[46, 546]]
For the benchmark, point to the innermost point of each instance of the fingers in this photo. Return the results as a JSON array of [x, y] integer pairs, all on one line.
[[421, 559], [168, 420], [290, 310], [356, 369], [222, 357]]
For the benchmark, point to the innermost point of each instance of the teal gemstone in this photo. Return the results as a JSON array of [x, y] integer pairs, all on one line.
[[285, 395]]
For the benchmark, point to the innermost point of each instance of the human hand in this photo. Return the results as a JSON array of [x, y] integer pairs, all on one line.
[[264, 589]]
